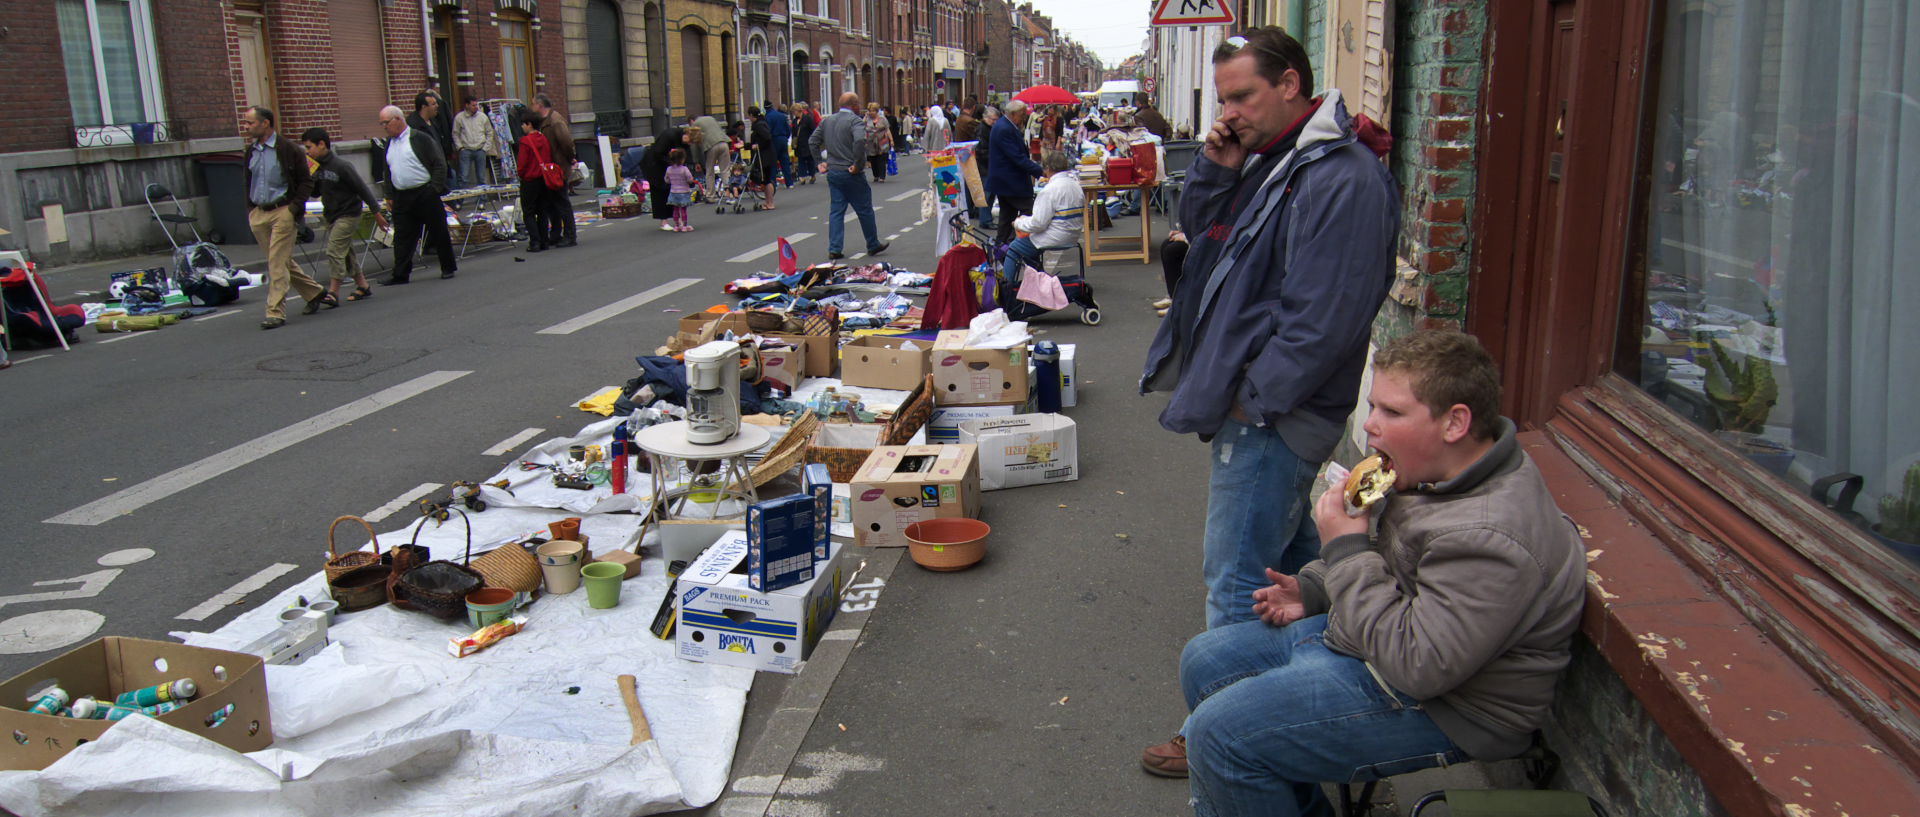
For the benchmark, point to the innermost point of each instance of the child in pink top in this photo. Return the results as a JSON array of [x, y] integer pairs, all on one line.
[[679, 189]]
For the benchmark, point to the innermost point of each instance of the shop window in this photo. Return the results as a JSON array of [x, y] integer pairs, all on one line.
[[516, 55], [1777, 305], [108, 51]]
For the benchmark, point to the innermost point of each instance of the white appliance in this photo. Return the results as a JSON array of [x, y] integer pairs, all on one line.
[[713, 392]]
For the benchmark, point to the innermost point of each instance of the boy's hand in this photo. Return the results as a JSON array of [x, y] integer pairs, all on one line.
[[380, 219]]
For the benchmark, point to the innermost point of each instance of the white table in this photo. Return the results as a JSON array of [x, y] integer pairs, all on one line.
[[669, 453]]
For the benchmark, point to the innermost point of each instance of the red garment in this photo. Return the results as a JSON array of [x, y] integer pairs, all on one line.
[[534, 152], [952, 302], [1373, 135]]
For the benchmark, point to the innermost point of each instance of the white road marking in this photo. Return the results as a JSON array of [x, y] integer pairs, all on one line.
[[234, 594], [179, 479], [89, 585], [32, 359], [767, 248], [569, 327], [122, 558], [857, 256], [205, 318], [127, 336], [892, 237], [48, 630], [828, 766], [381, 513], [512, 442], [904, 196]]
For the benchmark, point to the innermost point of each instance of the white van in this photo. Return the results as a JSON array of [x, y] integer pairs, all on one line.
[[1119, 93]]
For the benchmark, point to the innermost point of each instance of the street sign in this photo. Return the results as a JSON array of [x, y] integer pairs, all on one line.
[[1191, 13], [1149, 85]]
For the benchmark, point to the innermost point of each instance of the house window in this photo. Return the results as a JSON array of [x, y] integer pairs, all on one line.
[[446, 50], [112, 76], [1775, 304], [516, 55]]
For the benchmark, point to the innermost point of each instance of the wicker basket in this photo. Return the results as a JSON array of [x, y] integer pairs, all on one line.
[[438, 588], [510, 566], [360, 588], [622, 210], [475, 231], [788, 452], [843, 460], [340, 564]]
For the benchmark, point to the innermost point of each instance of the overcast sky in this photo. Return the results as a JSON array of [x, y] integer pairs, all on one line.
[[1113, 29]]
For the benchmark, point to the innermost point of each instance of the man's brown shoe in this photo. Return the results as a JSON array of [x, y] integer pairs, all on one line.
[[1167, 759]]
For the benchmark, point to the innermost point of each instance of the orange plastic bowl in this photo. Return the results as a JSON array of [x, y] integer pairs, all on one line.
[[947, 544]]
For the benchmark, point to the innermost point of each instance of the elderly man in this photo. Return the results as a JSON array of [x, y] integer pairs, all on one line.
[[840, 143], [278, 184], [560, 139], [416, 178], [1010, 170]]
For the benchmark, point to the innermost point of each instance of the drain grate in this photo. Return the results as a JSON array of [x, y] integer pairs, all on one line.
[[310, 362], [324, 364]]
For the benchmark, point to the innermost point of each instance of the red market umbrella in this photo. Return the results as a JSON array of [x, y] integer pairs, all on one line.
[[1047, 95]]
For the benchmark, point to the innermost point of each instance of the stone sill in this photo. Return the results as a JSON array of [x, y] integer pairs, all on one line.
[[1757, 729]]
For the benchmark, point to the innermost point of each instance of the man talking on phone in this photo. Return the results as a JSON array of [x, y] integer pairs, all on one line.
[[1292, 220]]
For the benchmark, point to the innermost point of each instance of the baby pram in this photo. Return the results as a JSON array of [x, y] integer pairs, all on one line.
[[739, 192], [1006, 292], [200, 270]]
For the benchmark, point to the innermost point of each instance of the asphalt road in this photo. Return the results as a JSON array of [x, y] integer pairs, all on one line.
[[1026, 685]]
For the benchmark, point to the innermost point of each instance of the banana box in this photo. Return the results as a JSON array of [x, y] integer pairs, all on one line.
[[724, 621]]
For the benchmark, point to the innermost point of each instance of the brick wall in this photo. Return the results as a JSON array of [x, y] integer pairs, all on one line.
[[1437, 73], [1314, 38], [300, 43], [31, 52], [406, 47], [191, 38]]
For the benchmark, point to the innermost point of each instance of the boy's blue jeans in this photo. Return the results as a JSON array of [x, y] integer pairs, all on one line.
[[1275, 713]]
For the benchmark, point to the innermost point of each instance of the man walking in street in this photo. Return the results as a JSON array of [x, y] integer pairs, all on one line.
[[1291, 220], [560, 139], [473, 138], [782, 128], [1010, 171], [840, 142], [416, 178], [277, 188], [342, 193]]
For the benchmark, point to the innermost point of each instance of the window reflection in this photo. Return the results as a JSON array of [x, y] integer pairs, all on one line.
[[1782, 288]]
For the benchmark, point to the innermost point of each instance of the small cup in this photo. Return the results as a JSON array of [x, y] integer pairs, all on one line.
[[603, 584], [292, 614]]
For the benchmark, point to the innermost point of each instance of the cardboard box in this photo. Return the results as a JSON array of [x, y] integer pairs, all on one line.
[[879, 362], [899, 485], [818, 349], [964, 376], [780, 541], [113, 665], [723, 621], [816, 481], [943, 428], [785, 367], [1069, 376], [1026, 449]]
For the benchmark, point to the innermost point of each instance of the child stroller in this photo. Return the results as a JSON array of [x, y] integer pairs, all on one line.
[[739, 191], [1006, 293], [200, 270]]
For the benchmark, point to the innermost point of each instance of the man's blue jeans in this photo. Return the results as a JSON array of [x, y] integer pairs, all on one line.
[[1256, 518], [785, 159], [849, 190], [1019, 253], [1276, 713], [473, 167]]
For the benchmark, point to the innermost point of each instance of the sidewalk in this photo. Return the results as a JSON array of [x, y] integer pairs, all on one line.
[[81, 283]]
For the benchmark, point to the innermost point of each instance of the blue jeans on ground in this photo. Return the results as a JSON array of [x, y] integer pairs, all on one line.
[[849, 190], [1276, 713], [1256, 518], [473, 167]]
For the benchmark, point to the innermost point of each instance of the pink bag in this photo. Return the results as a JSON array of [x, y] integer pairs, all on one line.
[[1042, 290]]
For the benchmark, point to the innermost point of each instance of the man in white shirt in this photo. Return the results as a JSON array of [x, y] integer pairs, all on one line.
[[416, 177]]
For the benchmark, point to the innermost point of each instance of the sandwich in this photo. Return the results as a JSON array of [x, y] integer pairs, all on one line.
[[1369, 482]]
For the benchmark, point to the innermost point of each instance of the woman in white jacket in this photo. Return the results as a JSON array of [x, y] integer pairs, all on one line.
[[1059, 211]]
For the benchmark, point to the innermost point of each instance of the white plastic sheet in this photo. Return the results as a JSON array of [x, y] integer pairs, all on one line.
[[385, 722]]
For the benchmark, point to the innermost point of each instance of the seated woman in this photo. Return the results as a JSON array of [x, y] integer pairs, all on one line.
[[1058, 213]]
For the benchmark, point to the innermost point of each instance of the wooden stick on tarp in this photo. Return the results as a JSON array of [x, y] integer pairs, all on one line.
[[642, 731]]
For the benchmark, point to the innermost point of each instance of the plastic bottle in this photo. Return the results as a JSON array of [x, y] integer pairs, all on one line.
[[117, 712], [620, 458], [1046, 373], [171, 691]]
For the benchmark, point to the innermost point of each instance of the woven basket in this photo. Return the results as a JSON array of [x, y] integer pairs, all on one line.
[[438, 588], [340, 564], [360, 588], [510, 566], [788, 452], [623, 210], [844, 461], [477, 231]]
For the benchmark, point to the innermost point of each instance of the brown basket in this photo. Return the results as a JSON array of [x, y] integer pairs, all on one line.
[[360, 588], [509, 566], [476, 231], [438, 588], [340, 564], [843, 462], [622, 210], [788, 452]]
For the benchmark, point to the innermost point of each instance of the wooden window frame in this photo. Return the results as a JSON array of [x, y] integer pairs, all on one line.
[[532, 62], [1830, 599]]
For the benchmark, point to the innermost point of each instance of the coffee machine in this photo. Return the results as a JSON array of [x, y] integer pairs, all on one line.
[[713, 392]]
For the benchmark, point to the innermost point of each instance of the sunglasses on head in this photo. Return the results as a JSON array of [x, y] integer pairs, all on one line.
[[1232, 45]]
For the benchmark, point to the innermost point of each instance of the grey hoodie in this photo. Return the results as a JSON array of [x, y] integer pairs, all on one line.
[[1467, 598]]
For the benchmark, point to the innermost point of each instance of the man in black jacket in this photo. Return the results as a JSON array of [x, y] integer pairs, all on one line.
[[277, 188], [416, 178]]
